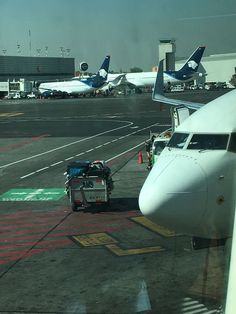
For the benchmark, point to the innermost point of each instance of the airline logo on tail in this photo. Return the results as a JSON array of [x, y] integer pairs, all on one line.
[[189, 69], [100, 78], [103, 73], [192, 64]]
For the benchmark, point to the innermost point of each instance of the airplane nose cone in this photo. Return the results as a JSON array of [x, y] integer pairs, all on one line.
[[175, 193]]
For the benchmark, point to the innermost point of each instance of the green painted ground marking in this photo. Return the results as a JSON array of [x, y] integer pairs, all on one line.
[[32, 195]]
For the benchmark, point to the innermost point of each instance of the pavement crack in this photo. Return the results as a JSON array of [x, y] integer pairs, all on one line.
[[34, 245]]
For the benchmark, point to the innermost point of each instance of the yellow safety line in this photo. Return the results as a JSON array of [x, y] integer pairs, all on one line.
[[120, 252], [154, 227], [94, 239]]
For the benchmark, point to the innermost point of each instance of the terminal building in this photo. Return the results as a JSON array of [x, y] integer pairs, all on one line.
[[23, 74], [19, 73]]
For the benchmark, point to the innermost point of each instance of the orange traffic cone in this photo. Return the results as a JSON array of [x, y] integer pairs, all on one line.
[[140, 158]]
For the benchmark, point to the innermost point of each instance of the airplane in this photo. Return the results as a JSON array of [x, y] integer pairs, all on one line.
[[191, 187], [188, 72], [112, 83], [79, 86]]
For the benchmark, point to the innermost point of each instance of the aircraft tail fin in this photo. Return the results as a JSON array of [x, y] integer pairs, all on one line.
[[191, 65], [100, 78], [159, 84]]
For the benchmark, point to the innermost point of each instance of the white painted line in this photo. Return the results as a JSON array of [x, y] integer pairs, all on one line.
[[69, 158], [39, 170], [31, 195], [92, 149], [128, 150], [57, 163], [28, 175], [69, 144]]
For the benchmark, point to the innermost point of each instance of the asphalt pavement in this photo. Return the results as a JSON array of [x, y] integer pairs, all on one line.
[[96, 260]]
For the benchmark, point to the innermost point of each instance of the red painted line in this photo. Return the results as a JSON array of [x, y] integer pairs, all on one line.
[[63, 212], [27, 227], [41, 231], [63, 231], [96, 224], [9, 259], [22, 143], [94, 229], [16, 239], [29, 214], [15, 254], [30, 227], [32, 252], [30, 224], [54, 243], [36, 220], [16, 247], [35, 251], [19, 247]]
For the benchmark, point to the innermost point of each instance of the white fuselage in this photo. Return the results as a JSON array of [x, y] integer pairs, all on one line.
[[146, 79], [70, 87], [191, 187], [77, 86]]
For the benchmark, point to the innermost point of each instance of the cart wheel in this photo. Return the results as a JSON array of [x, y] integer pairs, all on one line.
[[74, 207]]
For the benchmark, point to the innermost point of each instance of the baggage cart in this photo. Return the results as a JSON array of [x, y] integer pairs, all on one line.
[[88, 184]]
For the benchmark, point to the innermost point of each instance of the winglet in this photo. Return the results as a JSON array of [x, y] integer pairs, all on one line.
[[158, 93], [159, 84]]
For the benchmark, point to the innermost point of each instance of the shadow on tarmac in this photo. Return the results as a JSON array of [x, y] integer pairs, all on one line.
[[115, 205]]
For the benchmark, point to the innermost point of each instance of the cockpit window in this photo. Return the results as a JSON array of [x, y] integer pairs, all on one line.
[[208, 141], [232, 143], [178, 140], [158, 147]]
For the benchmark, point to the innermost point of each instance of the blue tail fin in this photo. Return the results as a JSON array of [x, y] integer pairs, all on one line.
[[191, 65], [100, 78]]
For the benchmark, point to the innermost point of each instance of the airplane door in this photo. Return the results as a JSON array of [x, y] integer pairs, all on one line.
[[178, 115]]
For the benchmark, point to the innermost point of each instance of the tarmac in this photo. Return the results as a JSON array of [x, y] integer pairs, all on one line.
[[99, 260]]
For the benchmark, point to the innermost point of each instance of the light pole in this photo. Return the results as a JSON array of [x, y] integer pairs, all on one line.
[[46, 51], [18, 48], [62, 51], [38, 51]]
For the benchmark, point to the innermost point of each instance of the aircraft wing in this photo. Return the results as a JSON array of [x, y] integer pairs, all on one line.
[[158, 93], [118, 80], [121, 80]]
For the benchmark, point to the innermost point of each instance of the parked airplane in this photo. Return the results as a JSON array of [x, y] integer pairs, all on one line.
[[191, 188], [187, 73], [79, 86], [112, 83]]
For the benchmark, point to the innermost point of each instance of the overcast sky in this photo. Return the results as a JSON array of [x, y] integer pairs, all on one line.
[[128, 30]]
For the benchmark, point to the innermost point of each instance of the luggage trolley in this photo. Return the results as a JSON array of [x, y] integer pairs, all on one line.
[[88, 183]]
